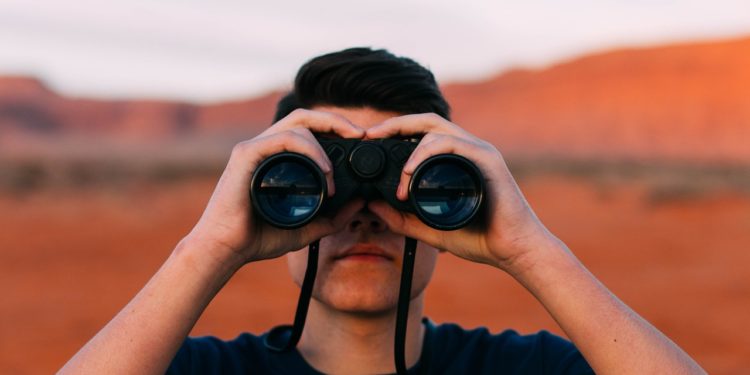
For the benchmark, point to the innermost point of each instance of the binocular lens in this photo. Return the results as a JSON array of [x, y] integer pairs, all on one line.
[[288, 193], [446, 192]]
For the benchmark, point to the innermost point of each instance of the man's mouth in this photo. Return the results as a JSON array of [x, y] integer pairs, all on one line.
[[364, 252]]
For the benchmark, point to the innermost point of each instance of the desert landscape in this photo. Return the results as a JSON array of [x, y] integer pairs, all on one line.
[[639, 159]]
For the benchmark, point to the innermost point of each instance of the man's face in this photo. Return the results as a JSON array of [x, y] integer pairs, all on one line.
[[351, 277]]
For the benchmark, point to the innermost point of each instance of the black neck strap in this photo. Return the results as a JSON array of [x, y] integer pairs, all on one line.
[[404, 297], [279, 340]]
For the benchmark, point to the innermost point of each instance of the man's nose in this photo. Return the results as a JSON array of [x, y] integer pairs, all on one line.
[[365, 220]]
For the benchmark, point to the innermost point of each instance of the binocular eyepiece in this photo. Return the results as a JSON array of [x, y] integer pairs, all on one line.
[[288, 189]]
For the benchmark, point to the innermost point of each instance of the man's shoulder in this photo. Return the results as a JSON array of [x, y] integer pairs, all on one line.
[[507, 351], [508, 338]]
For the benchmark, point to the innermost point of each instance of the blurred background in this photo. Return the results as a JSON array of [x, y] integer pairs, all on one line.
[[626, 123]]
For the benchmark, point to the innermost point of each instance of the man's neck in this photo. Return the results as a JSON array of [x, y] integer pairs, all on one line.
[[334, 342]]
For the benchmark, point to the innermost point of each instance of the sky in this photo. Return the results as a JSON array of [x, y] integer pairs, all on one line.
[[209, 51]]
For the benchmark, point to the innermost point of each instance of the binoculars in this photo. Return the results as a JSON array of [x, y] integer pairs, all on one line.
[[288, 189]]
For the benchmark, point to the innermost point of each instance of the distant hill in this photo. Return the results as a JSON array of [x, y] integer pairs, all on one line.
[[686, 102], [28, 106]]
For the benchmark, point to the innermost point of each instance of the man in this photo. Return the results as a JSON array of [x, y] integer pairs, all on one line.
[[365, 94]]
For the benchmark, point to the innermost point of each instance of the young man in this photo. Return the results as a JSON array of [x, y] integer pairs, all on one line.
[[365, 94]]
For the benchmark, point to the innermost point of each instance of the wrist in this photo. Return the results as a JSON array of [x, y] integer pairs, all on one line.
[[545, 266], [209, 256], [532, 257]]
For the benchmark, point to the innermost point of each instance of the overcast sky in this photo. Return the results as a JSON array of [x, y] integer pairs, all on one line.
[[229, 49]]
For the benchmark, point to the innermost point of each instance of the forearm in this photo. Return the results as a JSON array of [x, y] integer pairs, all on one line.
[[611, 336], [145, 335]]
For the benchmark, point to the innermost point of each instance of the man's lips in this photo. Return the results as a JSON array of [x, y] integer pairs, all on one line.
[[364, 251]]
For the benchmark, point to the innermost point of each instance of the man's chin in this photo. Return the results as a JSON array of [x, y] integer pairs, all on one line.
[[360, 307], [366, 298]]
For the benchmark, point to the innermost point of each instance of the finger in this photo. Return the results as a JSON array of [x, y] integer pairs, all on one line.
[[320, 122], [403, 223], [329, 176], [323, 226], [438, 144], [445, 144], [402, 188], [422, 123]]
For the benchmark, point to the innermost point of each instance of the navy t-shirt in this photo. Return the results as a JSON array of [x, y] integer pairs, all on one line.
[[447, 349]]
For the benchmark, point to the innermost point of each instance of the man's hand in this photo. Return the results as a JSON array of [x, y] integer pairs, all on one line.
[[144, 337], [228, 224], [612, 337], [510, 232]]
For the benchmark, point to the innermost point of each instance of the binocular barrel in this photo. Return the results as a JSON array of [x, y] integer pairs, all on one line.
[[288, 189]]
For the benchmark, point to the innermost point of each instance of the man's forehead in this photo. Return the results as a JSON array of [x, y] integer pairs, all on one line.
[[364, 117]]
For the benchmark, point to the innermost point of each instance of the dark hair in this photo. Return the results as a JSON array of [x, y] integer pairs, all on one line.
[[363, 77]]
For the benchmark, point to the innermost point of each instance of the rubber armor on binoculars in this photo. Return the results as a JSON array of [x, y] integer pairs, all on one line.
[[289, 190]]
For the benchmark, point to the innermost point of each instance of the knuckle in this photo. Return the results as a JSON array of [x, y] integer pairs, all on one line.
[[296, 117], [432, 116], [241, 148], [278, 141], [433, 119], [290, 136], [304, 132], [487, 146], [299, 113]]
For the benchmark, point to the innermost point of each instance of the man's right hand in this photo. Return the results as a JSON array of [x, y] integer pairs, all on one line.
[[230, 229], [154, 324]]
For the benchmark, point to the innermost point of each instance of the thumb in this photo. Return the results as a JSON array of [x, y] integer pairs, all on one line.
[[323, 226], [402, 222]]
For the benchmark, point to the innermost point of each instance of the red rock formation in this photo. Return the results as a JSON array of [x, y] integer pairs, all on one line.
[[682, 102], [26, 105]]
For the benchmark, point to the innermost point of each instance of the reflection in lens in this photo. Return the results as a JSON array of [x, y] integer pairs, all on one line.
[[289, 193], [446, 193]]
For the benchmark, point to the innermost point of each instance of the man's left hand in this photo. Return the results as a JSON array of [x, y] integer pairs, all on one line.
[[510, 232]]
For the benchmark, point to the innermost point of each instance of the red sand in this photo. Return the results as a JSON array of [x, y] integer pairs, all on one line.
[[70, 261]]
